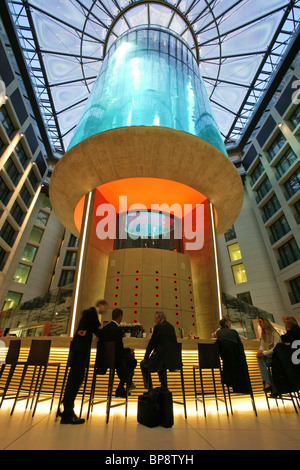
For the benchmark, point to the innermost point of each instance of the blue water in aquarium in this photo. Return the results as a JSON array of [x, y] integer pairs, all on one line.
[[149, 77]]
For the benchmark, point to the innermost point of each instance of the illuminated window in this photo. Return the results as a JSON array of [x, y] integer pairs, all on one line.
[[12, 300], [46, 204], [36, 235], [29, 253], [42, 219], [22, 274], [239, 273], [234, 252]]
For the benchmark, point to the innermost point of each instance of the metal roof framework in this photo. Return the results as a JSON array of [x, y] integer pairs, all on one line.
[[242, 46]]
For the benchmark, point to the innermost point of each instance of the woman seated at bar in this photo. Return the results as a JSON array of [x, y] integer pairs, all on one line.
[[269, 339]]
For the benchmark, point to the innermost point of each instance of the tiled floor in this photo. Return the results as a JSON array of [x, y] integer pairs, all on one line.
[[278, 428]]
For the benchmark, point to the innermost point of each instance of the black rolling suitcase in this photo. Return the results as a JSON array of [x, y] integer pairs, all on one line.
[[155, 408], [148, 412]]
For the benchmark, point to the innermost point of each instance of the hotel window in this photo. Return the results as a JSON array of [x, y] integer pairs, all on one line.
[[279, 229], [297, 209], [22, 156], [36, 235], [22, 273], [73, 241], [5, 192], [17, 213], [29, 253], [289, 253], [8, 233], [70, 258], [295, 118], [2, 145], [6, 121], [295, 294], [12, 300], [33, 180], [239, 273], [234, 252], [26, 196], [285, 162], [263, 189], [46, 204], [292, 185], [276, 145], [42, 219], [230, 234], [270, 208], [66, 277], [245, 297], [257, 172], [12, 171], [3, 256]]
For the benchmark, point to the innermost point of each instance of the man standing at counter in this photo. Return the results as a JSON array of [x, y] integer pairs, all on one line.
[[80, 347], [163, 333]]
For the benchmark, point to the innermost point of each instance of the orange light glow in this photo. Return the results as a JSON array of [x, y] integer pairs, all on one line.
[[143, 192]]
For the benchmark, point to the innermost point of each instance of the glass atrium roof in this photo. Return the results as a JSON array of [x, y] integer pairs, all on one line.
[[238, 43]]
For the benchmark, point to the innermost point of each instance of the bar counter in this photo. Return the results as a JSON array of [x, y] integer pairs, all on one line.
[[60, 350]]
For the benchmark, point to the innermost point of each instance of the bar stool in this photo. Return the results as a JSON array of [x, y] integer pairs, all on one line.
[[64, 382], [293, 397], [173, 363], [38, 358], [208, 357], [105, 360], [233, 357], [10, 360]]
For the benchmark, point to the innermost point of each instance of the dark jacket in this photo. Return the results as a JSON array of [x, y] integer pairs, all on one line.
[[112, 332], [235, 372], [291, 335], [90, 323], [286, 375], [163, 333]]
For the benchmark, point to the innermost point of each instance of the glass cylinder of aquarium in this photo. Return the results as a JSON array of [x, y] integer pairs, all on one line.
[[149, 77]]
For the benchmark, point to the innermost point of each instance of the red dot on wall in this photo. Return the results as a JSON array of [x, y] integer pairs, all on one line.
[[118, 272], [157, 279], [116, 295], [189, 277], [135, 303], [193, 324], [191, 300], [192, 308], [117, 287], [175, 274], [191, 292], [135, 312], [177, 323], [115, 304], [175, 282], [156, 303], [136, 295], [190, 285], [134, 321], [156, 295], [156, 272], [156, 287], [136, 287], [118, 280], [137, 271], [193, 316], [177, 314], [176, 296], [176, 305], [175, 288], [137, 278]]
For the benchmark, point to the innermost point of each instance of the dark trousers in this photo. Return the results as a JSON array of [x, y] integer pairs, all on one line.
[[146, 373], [79, 361], [125, 369]]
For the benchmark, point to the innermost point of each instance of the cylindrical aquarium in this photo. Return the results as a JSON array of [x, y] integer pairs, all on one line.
[[149, 77]]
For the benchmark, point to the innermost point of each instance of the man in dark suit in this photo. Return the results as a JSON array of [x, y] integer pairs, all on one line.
[[163, 333], [80, 347], [124, 357]]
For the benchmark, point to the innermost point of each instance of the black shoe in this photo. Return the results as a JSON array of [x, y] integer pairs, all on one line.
[[121, 393], [72, 420]]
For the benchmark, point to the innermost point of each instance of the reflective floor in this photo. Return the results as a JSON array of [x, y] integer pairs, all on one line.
[[278, 428]]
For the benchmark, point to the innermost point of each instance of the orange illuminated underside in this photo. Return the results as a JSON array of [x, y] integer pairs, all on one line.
[[142, 192]]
